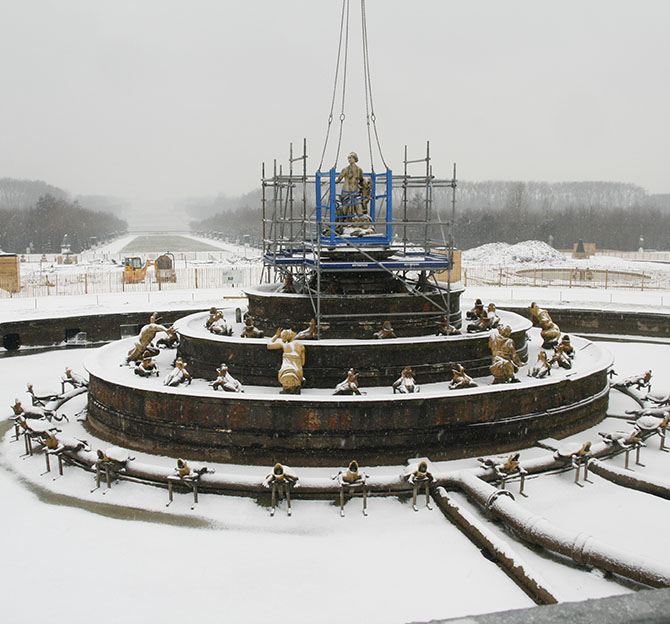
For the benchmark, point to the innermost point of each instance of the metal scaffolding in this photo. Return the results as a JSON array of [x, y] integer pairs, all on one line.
[[305, 235]]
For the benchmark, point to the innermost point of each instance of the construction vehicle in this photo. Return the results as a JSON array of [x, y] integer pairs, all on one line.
[[164, 266], [134, 270]]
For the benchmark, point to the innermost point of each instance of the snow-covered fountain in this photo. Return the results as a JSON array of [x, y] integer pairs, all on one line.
[[368, 291]]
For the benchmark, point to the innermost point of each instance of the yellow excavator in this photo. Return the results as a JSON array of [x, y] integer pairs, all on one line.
[[134, 270]]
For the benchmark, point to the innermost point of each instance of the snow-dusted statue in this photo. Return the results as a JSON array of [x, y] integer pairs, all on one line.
[[169, 340], [505, 361], [39, 399], [352, 180], [443, 328], [460, 379], [506, 467], [639, 381], [575, 454], [188, 476], [406, 384], [309, 333], [147, 366], [293, 359], [250, 330], [287, 286], [349, 385], [476, 311], [144, 340], [483, 323], [220, 327], [542, 367], [386, 331], [178, 374], [561, 356], [225, 381], [418, 475], [73, 379], [214, 315], [35, 412], [349, 479], [280, 481], [492, 315], [549, 331], [112, 462]]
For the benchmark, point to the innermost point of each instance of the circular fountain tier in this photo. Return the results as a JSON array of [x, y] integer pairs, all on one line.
[[317, 428], [378, 362], [356, 314]]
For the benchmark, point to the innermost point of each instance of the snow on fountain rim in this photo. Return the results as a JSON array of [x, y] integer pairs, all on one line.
[[107, 364], [193, 326]]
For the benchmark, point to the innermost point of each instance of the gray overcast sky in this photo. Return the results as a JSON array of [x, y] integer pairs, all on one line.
[[163, 98]]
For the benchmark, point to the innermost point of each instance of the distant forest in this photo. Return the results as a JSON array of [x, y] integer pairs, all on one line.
[[35, 215], [612, 215]]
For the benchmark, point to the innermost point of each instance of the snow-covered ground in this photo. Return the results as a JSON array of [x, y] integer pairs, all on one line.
[[121, 554], [230, 558]]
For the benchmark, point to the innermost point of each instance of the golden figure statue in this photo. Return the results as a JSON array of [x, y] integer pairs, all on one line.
[[214, 316], [460, 379], [170, 340], [147, 366], [349, 385], [350, 479], [492, 314], [144, 339], [225, 381], [250, 330], [352, 178], [542, 367], [293, 359], [419, 475], [280, 481], [178, 374], [386, 331], [287, 286], [505, 361], [549, 330], [476, 311], [444, 329], [309, 333], [406, 384]]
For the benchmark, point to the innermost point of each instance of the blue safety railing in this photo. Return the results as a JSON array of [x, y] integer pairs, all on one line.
[[332, 209]]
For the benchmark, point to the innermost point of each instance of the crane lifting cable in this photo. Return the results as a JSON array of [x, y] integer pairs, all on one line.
[[341, 75]]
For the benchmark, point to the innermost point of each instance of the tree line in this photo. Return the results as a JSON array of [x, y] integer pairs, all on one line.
[[612, 215], [42, 226]]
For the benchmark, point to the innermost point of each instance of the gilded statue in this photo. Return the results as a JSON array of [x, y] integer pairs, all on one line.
[[505, 361], [406, 384], [293, 359], [349, 385], [386, 331], [352, 180], [443, 328], [178, 375], [542, 367], [476, 311], [225, 381], [147, 366], [145, 338], [550, 332], [214, 315], [250, 330], [460, 379], [309, 333]]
